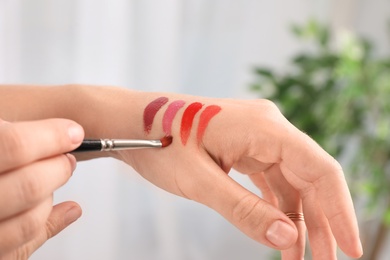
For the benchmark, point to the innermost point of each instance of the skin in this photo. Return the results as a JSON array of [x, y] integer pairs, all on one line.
[[293, 173], [28, 178]]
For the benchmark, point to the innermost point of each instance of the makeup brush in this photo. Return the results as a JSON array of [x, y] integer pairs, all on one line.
[[105, 145]]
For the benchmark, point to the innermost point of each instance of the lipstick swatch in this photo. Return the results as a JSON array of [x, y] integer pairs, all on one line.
[[150, 112], [205, 117], [170, 114], [187, 120]]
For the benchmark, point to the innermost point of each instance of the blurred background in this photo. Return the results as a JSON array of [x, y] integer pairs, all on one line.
[[324, 62]]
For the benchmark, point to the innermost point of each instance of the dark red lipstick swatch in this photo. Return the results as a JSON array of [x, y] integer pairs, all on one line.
[[187, 120], [150, 112], [205, 117]]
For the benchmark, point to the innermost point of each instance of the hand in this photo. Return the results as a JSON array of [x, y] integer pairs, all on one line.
[[293, 172], [32, 166]]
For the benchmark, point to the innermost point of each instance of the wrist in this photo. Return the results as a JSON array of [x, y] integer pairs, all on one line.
[[110, 113], [106, 112]]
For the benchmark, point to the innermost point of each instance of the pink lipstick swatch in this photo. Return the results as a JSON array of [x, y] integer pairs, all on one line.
[[205, 117], [187, 120], [170, 114], [150, 112]]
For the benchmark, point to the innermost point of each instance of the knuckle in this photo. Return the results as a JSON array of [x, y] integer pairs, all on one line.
[[33, 186], [336, 165], [30, 226], [268, 105], [11, 145], [22, 253], [268, 111], [30, 189], [50, 229], [249, 212], [42, 178]]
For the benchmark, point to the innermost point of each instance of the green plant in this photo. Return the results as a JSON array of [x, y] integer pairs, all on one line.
[[339, 94]]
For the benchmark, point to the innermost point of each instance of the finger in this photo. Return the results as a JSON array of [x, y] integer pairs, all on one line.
[[61, 216], [32, 183], [322, 242], [24, 227], [289, 202], [25, 142], [305, 164], [259, 180], [252, 215]]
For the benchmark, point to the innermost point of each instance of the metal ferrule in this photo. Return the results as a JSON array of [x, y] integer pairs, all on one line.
[[115, 145]]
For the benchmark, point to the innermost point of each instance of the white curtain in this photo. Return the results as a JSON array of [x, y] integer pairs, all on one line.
[[202, 47]]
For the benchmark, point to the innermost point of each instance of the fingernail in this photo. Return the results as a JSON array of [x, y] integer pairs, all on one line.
[[76, 133], [360, 249], [72, 215], [72, 160], [281, 234]]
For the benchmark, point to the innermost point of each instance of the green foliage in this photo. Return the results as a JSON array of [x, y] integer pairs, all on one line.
[[339, 94]]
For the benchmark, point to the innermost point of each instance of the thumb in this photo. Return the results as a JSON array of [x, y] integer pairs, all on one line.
[[253, 216], [62, 216]]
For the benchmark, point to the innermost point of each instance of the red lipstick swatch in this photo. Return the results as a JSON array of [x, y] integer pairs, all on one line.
[[170, 114], [151, 111], [187, 120], [207, 114]]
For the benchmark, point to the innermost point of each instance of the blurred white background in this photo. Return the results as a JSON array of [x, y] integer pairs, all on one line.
[[201, 47]]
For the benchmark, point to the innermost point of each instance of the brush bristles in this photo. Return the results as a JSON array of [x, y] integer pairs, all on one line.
[[166, 141]]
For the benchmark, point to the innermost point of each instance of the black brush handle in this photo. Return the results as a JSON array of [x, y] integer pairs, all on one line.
[[89, 145]]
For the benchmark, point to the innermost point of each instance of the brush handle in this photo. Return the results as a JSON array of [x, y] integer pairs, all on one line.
[[90, 145]]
